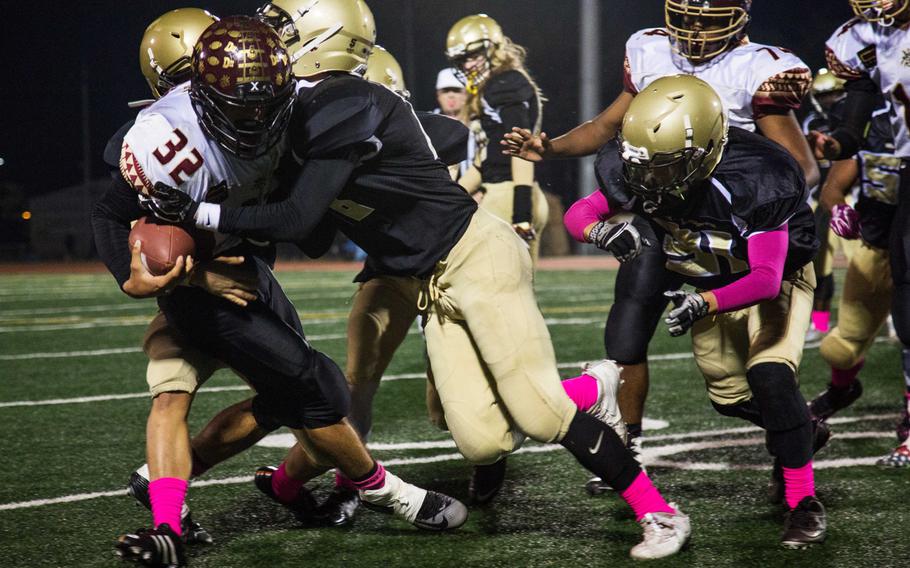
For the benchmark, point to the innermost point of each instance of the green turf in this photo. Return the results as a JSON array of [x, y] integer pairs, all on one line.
[[542, 517]]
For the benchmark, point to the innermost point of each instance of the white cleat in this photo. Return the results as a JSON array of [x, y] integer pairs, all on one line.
[[606, 409], [665, 535]]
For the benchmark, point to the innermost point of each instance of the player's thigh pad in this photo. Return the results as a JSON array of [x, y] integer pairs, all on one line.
[[479, 423], [383, 310], [174, 366], [777, 327], [864, 306], [721, 345], [486, 281]]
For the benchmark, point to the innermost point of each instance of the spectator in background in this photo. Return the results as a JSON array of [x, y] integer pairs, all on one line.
[[450, 94]]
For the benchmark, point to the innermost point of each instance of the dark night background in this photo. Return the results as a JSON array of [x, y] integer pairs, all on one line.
[[51, 48]]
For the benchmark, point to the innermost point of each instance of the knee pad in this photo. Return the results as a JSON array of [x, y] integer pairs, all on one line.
[[777, 396], [824, 290], [840, 353]]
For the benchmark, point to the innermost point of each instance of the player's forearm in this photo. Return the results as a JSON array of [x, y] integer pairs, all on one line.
[[767, 256], [291, 220], [111, 219], [783, 128], [857, 111], [588, 137], [838, 183], [584, 213]]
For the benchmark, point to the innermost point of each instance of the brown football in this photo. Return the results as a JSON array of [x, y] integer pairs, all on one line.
[[162, 244]]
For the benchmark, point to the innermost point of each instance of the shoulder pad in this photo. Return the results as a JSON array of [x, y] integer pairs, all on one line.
[[115, 144], [339, 112], [850, 51], [506, 88], [449, 136]]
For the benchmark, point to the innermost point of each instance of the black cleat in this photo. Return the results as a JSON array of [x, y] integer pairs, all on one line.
[[193, 532], [486, 481], [439, 512], [821, 434], [339, 508], [835, 399], [805, 525], [303, 506], [159, 548]]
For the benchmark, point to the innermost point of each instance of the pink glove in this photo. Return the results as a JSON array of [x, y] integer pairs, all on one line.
[[845, 221]]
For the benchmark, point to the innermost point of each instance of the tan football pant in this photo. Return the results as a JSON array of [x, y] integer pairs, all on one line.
[[727, 345], [173, 366], [864, 305], [492, 358], [499, 201]]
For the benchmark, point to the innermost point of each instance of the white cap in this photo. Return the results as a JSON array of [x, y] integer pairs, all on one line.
[[447, 80]]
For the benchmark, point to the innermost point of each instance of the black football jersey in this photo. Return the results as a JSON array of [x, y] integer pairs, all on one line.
[[400, 205], [879, 180], [509, 100], [756, 187]]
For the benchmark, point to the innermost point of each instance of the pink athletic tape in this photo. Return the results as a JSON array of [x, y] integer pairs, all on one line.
[[167, 495], [373, 482], [285, 487], [582, 390], [587, 210], [644, 498], [798, 483], [843, 378]]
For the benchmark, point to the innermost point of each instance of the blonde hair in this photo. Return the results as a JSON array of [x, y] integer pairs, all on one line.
[[508, 56]]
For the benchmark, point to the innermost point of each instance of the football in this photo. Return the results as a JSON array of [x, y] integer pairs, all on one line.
[[162, 244]]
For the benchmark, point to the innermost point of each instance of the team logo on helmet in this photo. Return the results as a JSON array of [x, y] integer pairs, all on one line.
[[241, 87]]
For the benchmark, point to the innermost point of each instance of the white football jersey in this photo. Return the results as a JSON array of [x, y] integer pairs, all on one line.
[[166, 144], [861, 48], [752, 79]]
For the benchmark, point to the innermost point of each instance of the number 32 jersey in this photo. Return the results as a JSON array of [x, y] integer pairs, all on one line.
[[167, 145], [865, 49], [753, 80]]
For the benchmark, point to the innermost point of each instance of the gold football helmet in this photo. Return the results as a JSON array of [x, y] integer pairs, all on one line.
[[703, 29], [323, 35], [827, 90], [673, 135], [880, 11], [470, 46], [384, 69], [166, 50]]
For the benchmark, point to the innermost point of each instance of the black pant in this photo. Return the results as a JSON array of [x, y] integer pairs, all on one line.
[[900, 258], [296, 385], [639, 302]]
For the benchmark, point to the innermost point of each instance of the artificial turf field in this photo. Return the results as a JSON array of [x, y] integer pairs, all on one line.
[[72, 417]]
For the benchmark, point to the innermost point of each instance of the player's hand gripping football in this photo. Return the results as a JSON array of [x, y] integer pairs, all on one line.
[[227, 278], [524, 144], [169, 203], [622, 240], [143, 284], [689, 308], [845, 221]]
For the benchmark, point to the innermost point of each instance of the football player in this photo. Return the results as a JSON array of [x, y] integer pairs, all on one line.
[[731, 211], [760, 85], [826, 92], [866, 53], [365, 161], [219, 138], [501, 96], [866, 300]]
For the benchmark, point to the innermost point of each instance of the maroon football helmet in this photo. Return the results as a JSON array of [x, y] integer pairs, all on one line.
[[241, 88]]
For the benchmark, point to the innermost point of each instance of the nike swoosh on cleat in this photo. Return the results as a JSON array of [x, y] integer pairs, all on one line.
[[597, 445]]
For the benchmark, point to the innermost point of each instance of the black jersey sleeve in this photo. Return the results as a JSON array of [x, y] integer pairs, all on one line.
[[862, 96], [334, 115], [508, 88], [111, 218], [320, 239], [449, 137]]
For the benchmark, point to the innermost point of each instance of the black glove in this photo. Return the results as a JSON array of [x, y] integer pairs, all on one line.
[[690, 307], [622, 240], [169, 203]]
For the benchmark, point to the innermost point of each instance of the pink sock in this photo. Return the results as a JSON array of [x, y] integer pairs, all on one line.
[[341, 481], [373, 481], [820, 320], [798, 483], [582, 390], [284, 486], [843, 378], [167, 495], [644, 498]]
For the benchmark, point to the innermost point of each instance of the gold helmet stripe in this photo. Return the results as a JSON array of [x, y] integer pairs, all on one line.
[[316, 41]]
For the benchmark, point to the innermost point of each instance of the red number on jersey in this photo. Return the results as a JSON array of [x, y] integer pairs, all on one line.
[[187, 166], [771, 52], [657, 32], [171, 148]]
